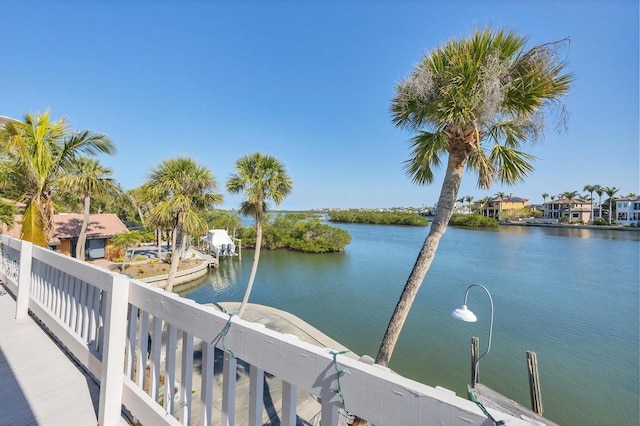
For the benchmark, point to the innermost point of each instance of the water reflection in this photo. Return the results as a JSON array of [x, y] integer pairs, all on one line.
[[575, 232]]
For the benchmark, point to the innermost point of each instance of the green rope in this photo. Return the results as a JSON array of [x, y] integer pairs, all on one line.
[[339, 373], [223, 334], [474, 398]]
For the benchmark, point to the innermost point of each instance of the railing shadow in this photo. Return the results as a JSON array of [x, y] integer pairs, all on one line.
[[14, 406]]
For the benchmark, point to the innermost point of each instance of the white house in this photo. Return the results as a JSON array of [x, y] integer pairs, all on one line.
[[628, 210]]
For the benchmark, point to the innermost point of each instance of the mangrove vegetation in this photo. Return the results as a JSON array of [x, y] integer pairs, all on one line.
[[378, 217]]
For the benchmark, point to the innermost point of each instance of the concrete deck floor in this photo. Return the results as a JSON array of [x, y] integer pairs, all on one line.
[[39, 383]]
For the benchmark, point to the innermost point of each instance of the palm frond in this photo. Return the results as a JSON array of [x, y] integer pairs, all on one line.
[[425, 156], [481, 164], [512, 166], [33, 226]]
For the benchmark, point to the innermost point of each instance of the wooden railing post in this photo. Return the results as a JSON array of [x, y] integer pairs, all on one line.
[[534, 382], [24, 280], [115, 330]]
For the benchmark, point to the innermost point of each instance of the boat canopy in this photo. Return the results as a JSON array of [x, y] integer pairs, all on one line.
[[219, 243]]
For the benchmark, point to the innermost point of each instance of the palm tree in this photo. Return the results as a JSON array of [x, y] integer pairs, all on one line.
[[469, 199], [477, 101], [570, 196], [87, 177], [38, 152], [544, 201], [184, 188], [590, 189], [145, 201], [125, 241], [261, 178], [600, 191], [611, 191]]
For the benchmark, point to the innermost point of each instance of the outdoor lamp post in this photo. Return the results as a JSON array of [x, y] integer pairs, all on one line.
[[464, 314]]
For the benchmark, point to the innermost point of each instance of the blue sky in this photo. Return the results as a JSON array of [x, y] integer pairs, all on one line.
[[310, 83]]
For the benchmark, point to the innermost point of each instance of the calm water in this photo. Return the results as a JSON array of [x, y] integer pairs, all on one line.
[[571, 296]]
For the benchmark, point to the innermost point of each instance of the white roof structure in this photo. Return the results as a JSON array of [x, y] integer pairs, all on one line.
[[220, 242]]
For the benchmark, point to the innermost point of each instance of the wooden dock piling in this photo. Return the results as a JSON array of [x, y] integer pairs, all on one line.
[[475, 350], [534, 383]]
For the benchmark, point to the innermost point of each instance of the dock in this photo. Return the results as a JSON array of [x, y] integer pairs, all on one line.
[[496, 401]]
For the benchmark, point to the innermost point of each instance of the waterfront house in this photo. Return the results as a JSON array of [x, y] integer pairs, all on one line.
[[558, 209], [628, 210], [493, 206], [66, 230]]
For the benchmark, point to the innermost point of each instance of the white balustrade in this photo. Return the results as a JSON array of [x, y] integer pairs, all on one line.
[[171, 361]]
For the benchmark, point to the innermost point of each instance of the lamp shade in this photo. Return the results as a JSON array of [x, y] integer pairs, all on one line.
[[464, 314]]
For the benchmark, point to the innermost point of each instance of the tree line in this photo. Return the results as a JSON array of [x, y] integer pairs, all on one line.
[[378, 217]]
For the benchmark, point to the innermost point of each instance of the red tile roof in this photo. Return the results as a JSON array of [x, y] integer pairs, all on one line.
[[67, 226]]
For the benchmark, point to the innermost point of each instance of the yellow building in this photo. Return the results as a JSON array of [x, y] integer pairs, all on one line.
[[492, 207]]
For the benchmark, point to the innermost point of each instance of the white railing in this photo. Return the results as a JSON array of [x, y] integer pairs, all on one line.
[[168, 360]]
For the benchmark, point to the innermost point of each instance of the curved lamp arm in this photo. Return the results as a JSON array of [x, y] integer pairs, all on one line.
[[465, 315]]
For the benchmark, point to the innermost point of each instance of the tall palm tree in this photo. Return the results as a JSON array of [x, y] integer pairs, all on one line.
[[184, 188], [261, 178], [38, 152], [469, 199], [590, 189], [611, 191], [476, 101], [544, 200], [570, 196], [87, 177], [146, 200], [600, 191]]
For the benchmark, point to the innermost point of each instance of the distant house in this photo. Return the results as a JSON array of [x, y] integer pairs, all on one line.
[[628, 210], [558, 209], [493, 206], [66, 230]]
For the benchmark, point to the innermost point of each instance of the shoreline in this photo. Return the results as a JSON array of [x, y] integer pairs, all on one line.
[[572, 226]]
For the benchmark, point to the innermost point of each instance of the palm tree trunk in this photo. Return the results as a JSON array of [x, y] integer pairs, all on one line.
[[254, 268], [82, 238], [446, 203], [600, 207], [176, 254], [159, 240], [610, 209]]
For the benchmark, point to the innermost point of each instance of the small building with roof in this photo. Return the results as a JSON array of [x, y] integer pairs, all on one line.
[[66, 230]]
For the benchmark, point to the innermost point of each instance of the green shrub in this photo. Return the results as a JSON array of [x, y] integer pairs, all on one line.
[[378, 218], [472, 220]]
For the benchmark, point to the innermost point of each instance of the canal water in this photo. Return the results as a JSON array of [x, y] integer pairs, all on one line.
[[570, 295]]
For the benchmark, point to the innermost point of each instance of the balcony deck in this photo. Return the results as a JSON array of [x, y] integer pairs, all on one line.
[[184, 363], [39, 384]]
